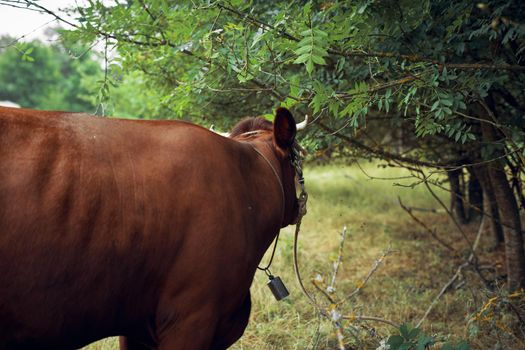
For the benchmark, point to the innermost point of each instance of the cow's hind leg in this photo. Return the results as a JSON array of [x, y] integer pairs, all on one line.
[[129, 343], [198, 333], [231, 330], [195, 332]]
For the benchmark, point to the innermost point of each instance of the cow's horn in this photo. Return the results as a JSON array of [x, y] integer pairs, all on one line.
[[302, 125], [225, 134]]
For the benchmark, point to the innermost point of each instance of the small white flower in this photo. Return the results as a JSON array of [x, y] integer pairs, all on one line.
[[336, 316], [383, 345]]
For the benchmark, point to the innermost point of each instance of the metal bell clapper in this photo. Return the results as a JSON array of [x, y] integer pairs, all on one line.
[[277, 287]]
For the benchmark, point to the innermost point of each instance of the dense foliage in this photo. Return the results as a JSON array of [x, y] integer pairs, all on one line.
[[425, 60]]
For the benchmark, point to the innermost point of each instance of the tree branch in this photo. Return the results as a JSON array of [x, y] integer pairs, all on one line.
[[382, 153], [422, 224]]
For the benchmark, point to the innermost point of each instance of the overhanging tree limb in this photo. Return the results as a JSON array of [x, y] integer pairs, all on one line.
[[356, 53], [382, 153]]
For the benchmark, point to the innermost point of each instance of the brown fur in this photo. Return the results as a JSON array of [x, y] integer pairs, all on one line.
[[151, 230], [251, 124]]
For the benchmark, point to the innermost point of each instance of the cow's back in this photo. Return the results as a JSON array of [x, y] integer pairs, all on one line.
[[91, 211]]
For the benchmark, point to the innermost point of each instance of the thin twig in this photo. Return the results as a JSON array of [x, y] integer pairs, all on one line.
[[374, 268], [331, 287], [323, 292], [448, 212], [422, 224], [370, 318]]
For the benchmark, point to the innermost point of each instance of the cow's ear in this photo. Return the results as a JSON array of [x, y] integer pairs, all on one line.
[[284, 128]]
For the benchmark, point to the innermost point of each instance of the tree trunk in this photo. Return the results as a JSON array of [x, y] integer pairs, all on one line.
[[490, 205], [456, 195], [509, 214], [475, 195], [508, 210]]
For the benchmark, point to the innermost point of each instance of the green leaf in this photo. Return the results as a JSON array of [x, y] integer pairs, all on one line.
[[309, 66], [320, 33], [395, 342], [303, 50], [404, 331], [307, 32], [303, 58], [424, 341], [463, 345], [447, 346], [414, 333], [318, 60], [269, 117], [405, 346], [289, 102], [307, 9], [446, 102], [319, 51]]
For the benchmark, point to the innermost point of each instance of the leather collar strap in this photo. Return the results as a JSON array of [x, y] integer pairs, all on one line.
[[276, 176], [267, 268]]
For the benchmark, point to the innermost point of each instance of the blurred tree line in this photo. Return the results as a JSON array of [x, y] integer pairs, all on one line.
[[36, 75], [436, 87], [69, 76]]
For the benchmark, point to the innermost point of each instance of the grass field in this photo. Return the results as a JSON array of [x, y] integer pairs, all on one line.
[[400, 290]]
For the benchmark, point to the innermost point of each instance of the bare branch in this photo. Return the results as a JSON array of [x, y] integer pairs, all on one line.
[[448, 212], [374, 268], [370, 318], [382, 153], [331, 286], [422, 224]]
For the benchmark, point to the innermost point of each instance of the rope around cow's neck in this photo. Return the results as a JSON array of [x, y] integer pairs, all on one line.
[[303, 197]]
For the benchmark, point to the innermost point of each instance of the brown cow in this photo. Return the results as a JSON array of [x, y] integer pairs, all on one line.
[[151, 230]]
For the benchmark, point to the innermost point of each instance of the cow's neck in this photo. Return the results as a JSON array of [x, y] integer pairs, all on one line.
[[269, 163], [276, 172]]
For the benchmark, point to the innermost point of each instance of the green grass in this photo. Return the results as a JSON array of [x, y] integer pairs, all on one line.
[[400, 290]]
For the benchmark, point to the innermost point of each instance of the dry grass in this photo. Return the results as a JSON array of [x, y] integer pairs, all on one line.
[[400, 290]]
